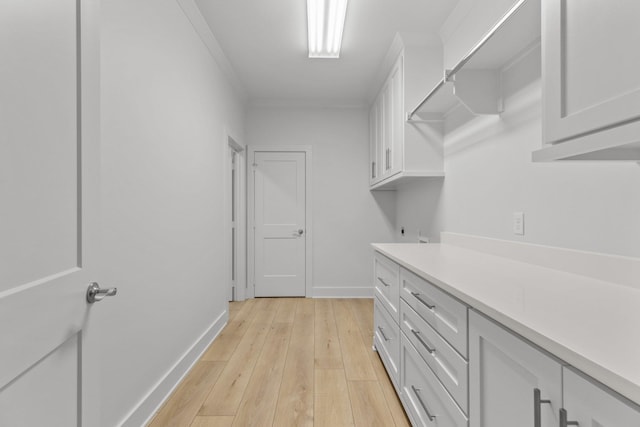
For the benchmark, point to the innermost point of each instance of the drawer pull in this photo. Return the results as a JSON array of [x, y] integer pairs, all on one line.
[[419, 298], [563, 419], [537, 403], [417, 335], [416, 391], [383, 334], [383, 282]]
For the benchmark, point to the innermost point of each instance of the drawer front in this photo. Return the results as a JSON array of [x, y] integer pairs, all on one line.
[[450, 368], [444, 313], [387, 339], [425, 399], [386, 276]]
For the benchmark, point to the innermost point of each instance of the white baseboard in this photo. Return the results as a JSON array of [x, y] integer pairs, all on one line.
[[342, 292], [151, 403]]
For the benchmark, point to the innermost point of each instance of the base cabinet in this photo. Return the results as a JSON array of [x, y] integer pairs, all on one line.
[[504, 374], [508, 377], [504, 381]]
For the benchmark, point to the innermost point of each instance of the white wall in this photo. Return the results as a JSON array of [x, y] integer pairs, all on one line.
[[490, 175], [347, 217], [164, 106]]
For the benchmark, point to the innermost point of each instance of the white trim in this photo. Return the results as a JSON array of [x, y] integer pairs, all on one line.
[[201, 27], [251, 213], [343, 292], [146, 409], [232, 142]]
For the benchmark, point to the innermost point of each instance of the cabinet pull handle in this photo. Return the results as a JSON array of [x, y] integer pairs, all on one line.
[[383, 282], [537, 403], [416, 391], [373, 169], [429, 349], [563, 419], [419, 298], [383, 334]]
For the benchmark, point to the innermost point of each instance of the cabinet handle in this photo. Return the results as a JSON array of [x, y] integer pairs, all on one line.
[[563, 419], [537, 403], [429, 349], [383, 282], [416, 391], [373, 169], [383, 334], [419, 298]]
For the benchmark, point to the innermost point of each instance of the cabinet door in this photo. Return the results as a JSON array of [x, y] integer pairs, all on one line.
[[591, 405], [504, 372], [396, 119], [374, 146], [387, 127], [379, 137], [591, 69]]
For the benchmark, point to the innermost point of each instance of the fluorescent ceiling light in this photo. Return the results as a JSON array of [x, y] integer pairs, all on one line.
[[325, 19]]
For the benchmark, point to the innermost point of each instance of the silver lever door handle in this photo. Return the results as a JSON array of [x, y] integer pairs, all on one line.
[[94, 293]]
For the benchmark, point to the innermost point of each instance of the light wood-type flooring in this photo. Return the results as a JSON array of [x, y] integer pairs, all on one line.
[[288, 362]]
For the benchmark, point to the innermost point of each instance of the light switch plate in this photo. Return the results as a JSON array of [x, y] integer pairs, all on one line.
[[518, 223]]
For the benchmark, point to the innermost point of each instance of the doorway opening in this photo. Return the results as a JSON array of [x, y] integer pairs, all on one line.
[[235, 224]]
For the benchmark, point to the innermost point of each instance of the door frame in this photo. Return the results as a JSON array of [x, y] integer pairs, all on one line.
[[232, 144], [306, 149]]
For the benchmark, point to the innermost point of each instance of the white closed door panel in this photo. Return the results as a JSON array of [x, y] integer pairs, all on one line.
[[279, 208], [48, 191]]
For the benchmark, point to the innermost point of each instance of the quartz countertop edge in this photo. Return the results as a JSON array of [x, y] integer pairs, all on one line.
[[587, 323]]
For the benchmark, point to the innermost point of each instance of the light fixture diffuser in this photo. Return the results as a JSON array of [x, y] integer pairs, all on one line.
[[325, 24]]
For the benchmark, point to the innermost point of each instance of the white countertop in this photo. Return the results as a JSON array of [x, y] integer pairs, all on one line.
[[591, 324]]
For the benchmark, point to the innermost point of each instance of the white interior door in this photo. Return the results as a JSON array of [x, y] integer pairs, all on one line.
[[48, 191], [280, 229]]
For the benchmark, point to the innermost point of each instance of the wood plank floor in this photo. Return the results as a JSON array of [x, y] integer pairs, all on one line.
[[288, 362]]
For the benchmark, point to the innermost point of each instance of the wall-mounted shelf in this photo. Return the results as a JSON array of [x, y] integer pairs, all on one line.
[[405, 177], [475, 80]]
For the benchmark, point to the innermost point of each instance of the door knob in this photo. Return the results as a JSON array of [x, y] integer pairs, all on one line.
[[300, 232], [94, 293]]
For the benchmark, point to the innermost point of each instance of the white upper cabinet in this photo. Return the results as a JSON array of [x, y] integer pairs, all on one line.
[[374, 152], [591, 80], [401, 151]]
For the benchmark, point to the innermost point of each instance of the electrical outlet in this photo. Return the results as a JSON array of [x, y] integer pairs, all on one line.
[[518, 223]]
